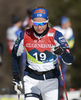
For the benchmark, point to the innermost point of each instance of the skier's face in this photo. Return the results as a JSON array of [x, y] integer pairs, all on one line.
[[40, 25]]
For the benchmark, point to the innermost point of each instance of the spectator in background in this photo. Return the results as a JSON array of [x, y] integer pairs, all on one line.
[[27, 22], [12, 33], [1, 52], [67, 31]]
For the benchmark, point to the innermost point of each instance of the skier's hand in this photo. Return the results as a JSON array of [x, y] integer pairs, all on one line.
[[57, 50], [17, 86]]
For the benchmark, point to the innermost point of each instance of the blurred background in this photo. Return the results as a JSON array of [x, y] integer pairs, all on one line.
[[70, 8]]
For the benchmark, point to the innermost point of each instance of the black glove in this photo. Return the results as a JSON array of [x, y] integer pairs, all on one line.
[[17, 85], [57, 50]]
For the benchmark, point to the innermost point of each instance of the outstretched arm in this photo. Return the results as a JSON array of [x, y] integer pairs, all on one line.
[[15, 60]]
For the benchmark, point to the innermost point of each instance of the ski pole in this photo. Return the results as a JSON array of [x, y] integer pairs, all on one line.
[[18, 96], [62, 78], [20, 90]]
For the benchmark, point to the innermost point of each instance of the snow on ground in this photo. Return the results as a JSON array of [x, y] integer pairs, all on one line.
[[72, 95]]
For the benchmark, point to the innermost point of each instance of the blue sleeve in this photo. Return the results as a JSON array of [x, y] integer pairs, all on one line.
[[67, 56], [15, 63], [15, 60], [18, 32]]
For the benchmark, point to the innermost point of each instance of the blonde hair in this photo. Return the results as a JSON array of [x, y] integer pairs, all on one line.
[[50, 25]]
